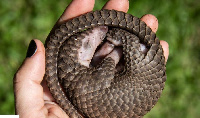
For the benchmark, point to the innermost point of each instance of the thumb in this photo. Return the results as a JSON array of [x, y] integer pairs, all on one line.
[[27, 88]]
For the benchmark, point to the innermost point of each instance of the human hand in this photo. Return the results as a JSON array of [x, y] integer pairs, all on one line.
[[32, 98]]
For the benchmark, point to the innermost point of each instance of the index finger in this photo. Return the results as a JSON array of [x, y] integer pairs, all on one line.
[[76, 8], [120, 5]]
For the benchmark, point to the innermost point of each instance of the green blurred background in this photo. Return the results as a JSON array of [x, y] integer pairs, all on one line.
[[179, 25]]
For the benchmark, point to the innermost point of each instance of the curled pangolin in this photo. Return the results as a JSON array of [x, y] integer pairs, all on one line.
[[103, 91]]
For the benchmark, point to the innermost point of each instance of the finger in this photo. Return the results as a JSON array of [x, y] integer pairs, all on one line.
[[76, 8], [152, 22], [47, 95], [120, 5], [27, 88], [55, 110], [165, 47]]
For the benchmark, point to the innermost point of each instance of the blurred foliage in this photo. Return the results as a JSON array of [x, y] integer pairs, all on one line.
[[23, 20]]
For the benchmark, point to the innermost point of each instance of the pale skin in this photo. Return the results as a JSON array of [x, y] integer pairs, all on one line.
[[32, 98]]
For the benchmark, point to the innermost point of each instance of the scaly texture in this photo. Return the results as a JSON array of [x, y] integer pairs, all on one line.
[[99, 91]]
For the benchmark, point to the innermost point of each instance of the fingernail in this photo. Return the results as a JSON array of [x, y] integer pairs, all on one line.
[[32, 48]]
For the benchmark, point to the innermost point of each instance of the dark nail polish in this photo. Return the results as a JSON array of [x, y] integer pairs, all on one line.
[[31, 49]]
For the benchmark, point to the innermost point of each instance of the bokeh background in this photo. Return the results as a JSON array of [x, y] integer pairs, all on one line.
[[179, 25]]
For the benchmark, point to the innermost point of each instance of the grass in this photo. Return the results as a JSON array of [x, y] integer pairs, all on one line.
[[179, 25]]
